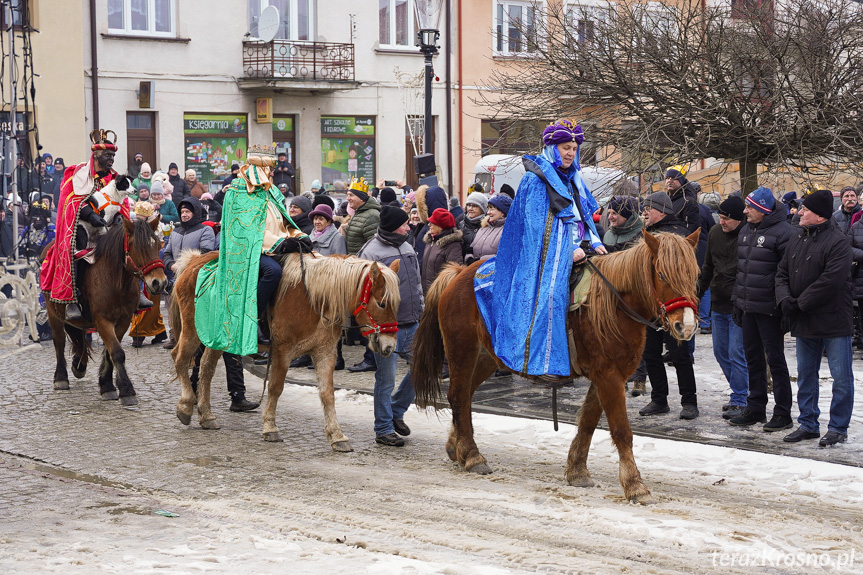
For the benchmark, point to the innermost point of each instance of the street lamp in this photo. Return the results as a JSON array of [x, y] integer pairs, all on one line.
[[427, 41]]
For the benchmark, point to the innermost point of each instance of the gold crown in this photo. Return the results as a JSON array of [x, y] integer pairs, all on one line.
[[262, 150], [807, 191], [359, 185], [101, 136]]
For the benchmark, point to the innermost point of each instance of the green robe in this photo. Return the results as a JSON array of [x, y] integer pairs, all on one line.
[[226, 308]]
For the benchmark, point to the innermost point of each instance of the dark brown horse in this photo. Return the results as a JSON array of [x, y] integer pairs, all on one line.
[[109, 291], [312, 304], [608, 340]]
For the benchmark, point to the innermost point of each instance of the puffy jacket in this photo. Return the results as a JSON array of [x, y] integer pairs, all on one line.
[[759, 250], [446, 247], [842, 219], [169, 212], [616, 239], [486, 240], [719, 271], [196, 237], [685, 203], [385, 248], [816, 271], [330, 242], [181, 190], [856, 235], [363, 225]]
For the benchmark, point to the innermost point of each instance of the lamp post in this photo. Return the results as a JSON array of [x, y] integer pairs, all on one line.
[[427, 41]]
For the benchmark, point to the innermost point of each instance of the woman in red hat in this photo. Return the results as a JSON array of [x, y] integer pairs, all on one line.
[[444, 244]]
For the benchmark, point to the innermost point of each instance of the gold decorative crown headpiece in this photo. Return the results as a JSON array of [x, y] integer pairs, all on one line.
[[261, 155], [359, 185], [103, 141]]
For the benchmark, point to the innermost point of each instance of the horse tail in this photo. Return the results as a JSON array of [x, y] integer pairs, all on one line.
[[428, 352], [80, 345]]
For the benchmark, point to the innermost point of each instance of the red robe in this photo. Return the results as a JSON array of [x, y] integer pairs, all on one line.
[[58, 272]]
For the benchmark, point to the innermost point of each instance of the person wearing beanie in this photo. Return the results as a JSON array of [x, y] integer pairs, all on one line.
[[144, 177], [761, 244], [624, 223], [134, 169], [409, 201], [388, 197], [181, 190], [684, 196], [143, 194], [166, 208], [299, 209], [659, 216], [235, 172], [813, 288], [390, 244], [443, 244], [212, 208], [487, 238], [195, 187], [475, 207], [507, 190], [316, 186], [718, 275]]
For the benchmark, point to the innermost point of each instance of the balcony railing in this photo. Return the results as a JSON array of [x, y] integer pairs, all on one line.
[[296, 60]]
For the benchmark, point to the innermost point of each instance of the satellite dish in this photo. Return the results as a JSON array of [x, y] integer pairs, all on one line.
[[268, 24]]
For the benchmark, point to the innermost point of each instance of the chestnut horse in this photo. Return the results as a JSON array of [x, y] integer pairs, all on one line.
[[109, 293], [608, 338], [314, 300]]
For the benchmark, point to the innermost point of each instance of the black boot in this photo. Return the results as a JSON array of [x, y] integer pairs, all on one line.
[[143, 302], [73, 312], [340, 361], [262, 335]]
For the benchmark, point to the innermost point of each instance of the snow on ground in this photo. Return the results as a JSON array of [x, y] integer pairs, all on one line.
[[296, 507]]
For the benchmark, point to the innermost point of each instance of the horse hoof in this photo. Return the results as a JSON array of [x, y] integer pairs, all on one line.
[[61, 384], [450, 451], [481, 469], [643, 499], [582, 481], [77, 371], [129, 400], [342, 447], [210, 424], [185, 418], [109, 395], [273, 436]]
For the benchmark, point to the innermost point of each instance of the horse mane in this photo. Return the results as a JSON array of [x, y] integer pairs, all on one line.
[[631, 272], [333, 283]]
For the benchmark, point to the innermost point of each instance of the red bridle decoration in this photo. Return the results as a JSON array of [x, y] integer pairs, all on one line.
[[673, 304], [364, 305], [132, 267]]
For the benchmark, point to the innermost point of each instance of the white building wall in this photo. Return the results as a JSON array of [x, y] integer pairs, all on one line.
[[201, 75]]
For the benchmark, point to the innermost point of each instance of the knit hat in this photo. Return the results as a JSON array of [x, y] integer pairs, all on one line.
[[143, 186], [360, 189], [206, 196], [442, 218], [145, 167], [392, 218], [762, 200], [316, 184], [659, 201], [476, 187], [820, 202], [502, 202], [412, 197], [190, 172], [677, 172], [623, 205], [323, 199], [453, 202], [477, 199], [787, 197], [387, 195], [173, 166], [507, 189], [157, 188], [321, 210], [303, 203], [732, 208]]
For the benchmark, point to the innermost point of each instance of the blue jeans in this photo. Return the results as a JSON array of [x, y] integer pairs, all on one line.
[[704, 315], [809, 352], [387, 405], [728, 351]]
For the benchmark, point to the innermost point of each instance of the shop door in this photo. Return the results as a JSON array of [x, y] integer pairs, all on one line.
[[285, 137], [141, 137]]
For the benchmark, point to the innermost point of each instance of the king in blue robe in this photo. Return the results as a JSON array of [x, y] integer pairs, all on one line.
[[523, 292]]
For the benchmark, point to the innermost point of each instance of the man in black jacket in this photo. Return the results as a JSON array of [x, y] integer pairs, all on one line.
[[283, 172], [181, 190], [659, 217], [718, 274], [813, 286], [684, 197], [760, 246]]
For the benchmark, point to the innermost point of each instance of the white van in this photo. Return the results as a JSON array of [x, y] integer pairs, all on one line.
[[495, 170]]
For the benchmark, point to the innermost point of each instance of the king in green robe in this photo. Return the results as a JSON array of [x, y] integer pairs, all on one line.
[[226, 310]]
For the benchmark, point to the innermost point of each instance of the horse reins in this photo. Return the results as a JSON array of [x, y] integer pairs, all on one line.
[[664, 308], [133, 267]]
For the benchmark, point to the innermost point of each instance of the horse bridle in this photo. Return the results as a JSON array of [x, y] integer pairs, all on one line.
[[664, 308], [133, 267], [392, 327]]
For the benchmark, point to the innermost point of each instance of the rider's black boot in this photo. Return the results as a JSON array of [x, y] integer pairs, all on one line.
[[73, 312], [143, 302]]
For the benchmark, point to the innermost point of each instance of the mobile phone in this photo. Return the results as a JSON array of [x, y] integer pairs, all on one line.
[[389, 182]]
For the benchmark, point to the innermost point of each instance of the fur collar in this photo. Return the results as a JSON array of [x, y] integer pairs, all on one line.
[[445, 238], [420, 203]]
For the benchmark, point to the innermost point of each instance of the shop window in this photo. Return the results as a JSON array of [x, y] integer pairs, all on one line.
[[348, 148], [397, 23], [515, 27], [296, 18], [142, 17], [213, 142], [19, 13]]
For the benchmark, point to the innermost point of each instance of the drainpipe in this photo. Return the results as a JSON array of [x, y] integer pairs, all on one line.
[[448, 48], [94, 74], [460, 111]]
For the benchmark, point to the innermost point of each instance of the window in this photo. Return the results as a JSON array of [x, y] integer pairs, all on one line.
[[296, 18], [142, 17], [515, 137], [397, 23], [589, 18], [653, 32], [515, 26]]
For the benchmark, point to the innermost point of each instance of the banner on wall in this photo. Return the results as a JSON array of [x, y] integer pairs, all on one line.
[[348, 148], [213, 142]]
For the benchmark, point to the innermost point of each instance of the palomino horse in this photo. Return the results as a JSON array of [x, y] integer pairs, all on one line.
[[314, 300], [126, 254], [608, 338]]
